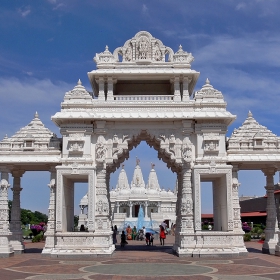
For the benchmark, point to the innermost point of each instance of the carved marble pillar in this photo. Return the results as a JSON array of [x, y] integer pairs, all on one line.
[[93, 195], [177, 94], [184, 233], [186, 209], [6, 250], [101, 93], [15, 225], [108, 192], [146, 209], [50, 233], [185, 96], [110, 93], [235, 200], [102, 215], [130, 209], [271, 238], [118, 207]]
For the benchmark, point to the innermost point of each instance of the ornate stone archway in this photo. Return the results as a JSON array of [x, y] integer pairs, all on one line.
[[143, 91]]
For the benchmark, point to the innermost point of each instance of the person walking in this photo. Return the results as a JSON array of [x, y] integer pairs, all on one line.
[[162, 235], [115, 232]]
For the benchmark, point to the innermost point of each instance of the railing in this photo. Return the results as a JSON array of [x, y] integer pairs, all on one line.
[[143, 97]]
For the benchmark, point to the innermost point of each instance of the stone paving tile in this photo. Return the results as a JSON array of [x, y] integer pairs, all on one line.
[[11, 275], [256, 266], [35, 262], [115, 277], [55, 269], [272, 276], [257, 262], [238, 269]]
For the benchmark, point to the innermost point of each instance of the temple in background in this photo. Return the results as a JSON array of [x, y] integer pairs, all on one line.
[[126, 199]]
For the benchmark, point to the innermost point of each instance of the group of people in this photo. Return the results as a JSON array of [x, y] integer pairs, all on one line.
[[132, 234]]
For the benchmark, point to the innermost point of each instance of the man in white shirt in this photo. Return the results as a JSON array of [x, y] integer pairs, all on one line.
[[164, 225], [144, 231]]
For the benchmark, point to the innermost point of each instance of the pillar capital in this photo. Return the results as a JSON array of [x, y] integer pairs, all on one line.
[[4, 169], [52, 169], [269, 171], [235, 167], [18, 173]]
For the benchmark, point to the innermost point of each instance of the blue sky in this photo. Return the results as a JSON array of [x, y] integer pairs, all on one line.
[[46, 46]]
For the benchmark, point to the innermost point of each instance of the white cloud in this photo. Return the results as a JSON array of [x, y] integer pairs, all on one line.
[[240, 6], [60, 5], [246, 48], [21, 99], [32, 90], [144, 9], [24, 12]]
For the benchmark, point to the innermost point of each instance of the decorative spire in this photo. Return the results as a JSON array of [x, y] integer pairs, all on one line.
[[250, 115], [79, 82], [207, 82], [152, 165], [36, 116], [122, 166], [137, 161]]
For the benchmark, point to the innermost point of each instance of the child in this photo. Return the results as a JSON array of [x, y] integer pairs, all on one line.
[[123, 239]]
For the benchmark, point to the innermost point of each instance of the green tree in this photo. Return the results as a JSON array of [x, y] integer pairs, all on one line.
[[29, 217], [76, 220]]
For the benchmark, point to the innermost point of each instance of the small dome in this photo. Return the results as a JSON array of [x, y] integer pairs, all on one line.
[[84, 200]]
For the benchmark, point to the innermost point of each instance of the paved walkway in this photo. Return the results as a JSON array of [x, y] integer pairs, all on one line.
[[138, 261]]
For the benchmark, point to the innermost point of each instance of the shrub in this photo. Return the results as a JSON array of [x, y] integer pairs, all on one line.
[[37, 229], [38, 238], [247, 237]]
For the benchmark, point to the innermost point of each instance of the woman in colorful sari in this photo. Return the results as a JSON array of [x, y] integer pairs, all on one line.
[[129, 233], [134, 233]]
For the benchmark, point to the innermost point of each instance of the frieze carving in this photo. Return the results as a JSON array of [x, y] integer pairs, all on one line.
[[102, 207], [100, 149], [143, 47], [186, 207], [187, 150]]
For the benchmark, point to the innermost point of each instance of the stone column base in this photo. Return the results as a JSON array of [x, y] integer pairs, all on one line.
[[6, 250], [270, 248], [210, 244], [80, 244], [17, 246]]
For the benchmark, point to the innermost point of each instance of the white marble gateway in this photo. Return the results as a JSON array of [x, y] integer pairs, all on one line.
[[142, 91]]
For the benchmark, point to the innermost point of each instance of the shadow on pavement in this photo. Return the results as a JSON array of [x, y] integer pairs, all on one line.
[[254, 250], [33, 250], [166, 249]]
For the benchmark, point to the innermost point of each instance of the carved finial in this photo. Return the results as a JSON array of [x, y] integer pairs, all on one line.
[[180, 47], [122, 166], [79, 82], [152, 165], [207, 81], [250, 115], [36, 116], [106, 48], [6, 136], [137, 161]]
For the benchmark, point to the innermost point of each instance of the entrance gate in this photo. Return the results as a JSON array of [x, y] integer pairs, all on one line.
[[142, 92]]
